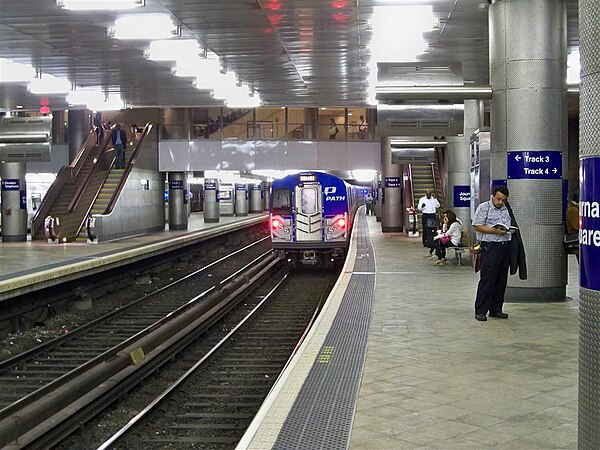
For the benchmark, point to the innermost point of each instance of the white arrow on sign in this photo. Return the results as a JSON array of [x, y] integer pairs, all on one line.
[[555, 170], [518, 158]]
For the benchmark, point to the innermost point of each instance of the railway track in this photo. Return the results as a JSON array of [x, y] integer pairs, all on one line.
[[213, 402], [29, 381]]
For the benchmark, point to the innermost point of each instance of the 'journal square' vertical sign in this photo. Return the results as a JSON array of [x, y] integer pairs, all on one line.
[[589, 224]]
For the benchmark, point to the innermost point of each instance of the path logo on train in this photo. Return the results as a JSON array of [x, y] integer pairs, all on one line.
[[333, 198]]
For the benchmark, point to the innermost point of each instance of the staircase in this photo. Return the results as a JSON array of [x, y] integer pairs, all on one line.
[[423, 179], [106, 193]]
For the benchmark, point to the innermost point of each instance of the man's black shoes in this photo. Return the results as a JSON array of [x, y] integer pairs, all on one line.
[[480, 317], [499, 315]]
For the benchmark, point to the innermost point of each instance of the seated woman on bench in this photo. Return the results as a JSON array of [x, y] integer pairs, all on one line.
[[450, 238]]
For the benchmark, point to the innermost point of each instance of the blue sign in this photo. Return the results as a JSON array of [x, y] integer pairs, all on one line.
[[11, 184], [534, 165], [166, 196], [255, 187], [462, 196], [185, 197], [240, 187], [393, 182], [23, 198], [175, 184], [589, 220], [210, 186], [495, 183]]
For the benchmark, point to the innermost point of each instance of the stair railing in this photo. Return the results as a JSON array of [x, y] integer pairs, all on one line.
[[98, 156]]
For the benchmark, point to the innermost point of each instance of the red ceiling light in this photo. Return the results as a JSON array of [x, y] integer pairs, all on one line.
[[341, 17], [339, 4], [274, 5]]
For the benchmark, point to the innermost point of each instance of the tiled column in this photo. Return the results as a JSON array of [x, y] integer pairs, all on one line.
[[589, 234], [14, 202], [459, 164], [528, 76], [391, 188]]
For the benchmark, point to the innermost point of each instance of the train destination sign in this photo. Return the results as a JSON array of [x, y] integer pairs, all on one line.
[[535, 165]]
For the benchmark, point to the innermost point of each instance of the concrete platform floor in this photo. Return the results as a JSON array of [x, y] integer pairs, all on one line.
[[437, 379]]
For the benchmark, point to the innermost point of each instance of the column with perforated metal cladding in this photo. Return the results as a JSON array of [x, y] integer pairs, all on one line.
[[458, 163], [589, 240], [391, 187], [528, 134]]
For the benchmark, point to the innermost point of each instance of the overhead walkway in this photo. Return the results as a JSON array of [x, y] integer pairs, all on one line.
[[433, 377]]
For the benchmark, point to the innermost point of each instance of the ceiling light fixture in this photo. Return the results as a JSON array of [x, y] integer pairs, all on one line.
[[94, 5], [173, 50], [49, 84], [144, 27], [12, 72]]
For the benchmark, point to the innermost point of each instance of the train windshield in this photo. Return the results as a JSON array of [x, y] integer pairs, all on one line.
[[282, 201], [309, 200]]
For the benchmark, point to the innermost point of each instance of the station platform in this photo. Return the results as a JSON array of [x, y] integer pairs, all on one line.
[[397, 360], [31, 265]]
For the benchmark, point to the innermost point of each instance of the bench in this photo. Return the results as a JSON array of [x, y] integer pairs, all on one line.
[[458, 252]]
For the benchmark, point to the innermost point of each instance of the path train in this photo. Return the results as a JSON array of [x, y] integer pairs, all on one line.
[[311, 217]]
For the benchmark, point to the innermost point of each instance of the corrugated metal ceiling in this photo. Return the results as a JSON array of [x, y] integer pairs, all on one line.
[[294, 52]]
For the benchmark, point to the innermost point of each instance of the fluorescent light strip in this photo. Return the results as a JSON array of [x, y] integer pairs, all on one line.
[[99, 5]]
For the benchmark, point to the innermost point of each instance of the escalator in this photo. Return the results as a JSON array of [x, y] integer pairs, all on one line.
[[67, 192], [89, 185]]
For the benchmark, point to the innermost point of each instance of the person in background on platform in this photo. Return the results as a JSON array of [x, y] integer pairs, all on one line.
[[369, 203], [449, 238], [572, 216], [362, 128], [428, 205], [495, 254], [98, 128], [333, 129], [119, 141]]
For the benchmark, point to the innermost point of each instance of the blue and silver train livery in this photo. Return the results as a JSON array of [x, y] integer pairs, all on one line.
[[311, 217]]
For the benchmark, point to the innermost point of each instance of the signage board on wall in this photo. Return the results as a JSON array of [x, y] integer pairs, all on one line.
[[543, 165], [589, 220], [462, 196], [10, 184], [175, 184], [393, 182]]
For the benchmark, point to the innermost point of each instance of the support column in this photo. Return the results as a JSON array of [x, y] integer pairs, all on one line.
[[391, 201], [79, 127], [178, 123], [311, 120], [178, 208], [589, 234], [14, 202], [527, 72], [458, 162]]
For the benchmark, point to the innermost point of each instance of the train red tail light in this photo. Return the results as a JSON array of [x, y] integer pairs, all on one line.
[[341, 223], [276, 223]]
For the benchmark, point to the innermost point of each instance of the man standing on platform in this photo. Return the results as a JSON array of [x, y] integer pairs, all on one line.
[[428, 205], [492, 223]]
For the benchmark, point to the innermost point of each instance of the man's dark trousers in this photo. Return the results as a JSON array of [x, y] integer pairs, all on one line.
[[429, 232], [495, 261]]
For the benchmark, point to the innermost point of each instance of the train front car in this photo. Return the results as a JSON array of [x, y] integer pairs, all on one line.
[[311, 218]]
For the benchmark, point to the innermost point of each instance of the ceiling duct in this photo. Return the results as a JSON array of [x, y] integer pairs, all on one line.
[[423, 119], [413, 155], [25, 139], [428, 115]]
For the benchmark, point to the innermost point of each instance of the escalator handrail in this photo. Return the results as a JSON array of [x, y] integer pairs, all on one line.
[[84, 182]]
